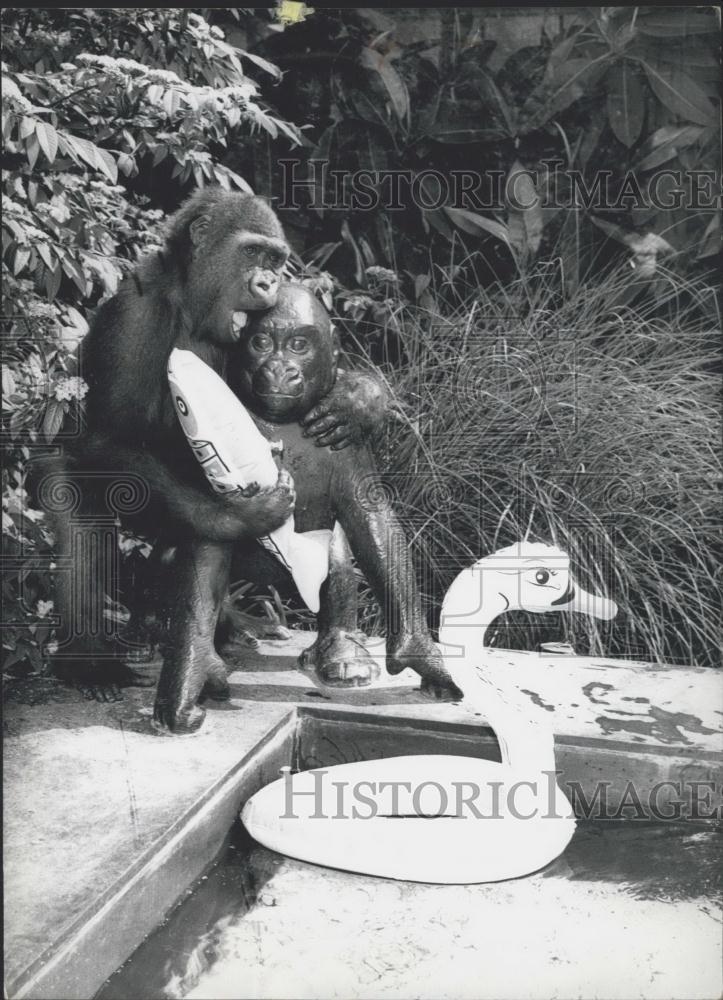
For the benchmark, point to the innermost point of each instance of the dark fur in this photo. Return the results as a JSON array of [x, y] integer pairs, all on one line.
[[131, 429]]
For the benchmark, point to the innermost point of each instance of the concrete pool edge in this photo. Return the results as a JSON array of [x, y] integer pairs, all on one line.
[[107, 932], [142, 789]]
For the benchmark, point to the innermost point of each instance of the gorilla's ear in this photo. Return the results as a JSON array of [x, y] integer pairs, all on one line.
[[197, 229], [335, 342]]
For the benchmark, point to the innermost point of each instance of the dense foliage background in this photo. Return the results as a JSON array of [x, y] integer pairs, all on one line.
[[547, 389]]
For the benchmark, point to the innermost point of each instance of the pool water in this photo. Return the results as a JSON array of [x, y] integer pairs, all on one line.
[[632, 909]]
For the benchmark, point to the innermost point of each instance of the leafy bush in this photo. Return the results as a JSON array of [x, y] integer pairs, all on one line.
[[613, 88]]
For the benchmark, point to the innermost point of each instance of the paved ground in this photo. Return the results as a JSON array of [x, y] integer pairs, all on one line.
[[89, 787]]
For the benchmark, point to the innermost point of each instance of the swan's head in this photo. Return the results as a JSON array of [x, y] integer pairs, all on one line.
[[526, 576], [536, 577]]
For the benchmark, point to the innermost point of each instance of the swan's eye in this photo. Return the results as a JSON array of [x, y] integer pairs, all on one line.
[[541, 577]]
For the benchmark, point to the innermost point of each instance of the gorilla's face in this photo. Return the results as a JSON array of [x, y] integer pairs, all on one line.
[[287, 358]]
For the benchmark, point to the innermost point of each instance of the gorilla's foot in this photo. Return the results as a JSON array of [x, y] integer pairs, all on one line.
[[340, 659], [418, 652], [182, 686], [216, 686], [181, 721], [99, 679]]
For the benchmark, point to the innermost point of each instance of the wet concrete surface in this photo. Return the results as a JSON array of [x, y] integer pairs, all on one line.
[[632, 909], [91, 789]]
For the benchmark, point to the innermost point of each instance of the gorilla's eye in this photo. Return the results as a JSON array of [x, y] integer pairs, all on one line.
[[250, 251], [298, 344], [260, 342], [541, 577], [276, 261]]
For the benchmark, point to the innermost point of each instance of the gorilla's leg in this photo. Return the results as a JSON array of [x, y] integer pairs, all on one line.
[[191, 667], [338, 656], [382, 551]]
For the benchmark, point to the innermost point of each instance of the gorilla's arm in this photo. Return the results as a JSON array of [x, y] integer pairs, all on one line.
[[197, 511], [353, 412]]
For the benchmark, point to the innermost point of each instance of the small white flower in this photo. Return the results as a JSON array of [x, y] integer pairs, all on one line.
[[70, 387]]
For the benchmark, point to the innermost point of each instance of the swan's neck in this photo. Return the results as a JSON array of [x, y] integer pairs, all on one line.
[[466, 631], [527, 745]]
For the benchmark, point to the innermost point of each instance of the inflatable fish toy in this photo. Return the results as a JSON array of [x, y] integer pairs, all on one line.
[[233, 454]]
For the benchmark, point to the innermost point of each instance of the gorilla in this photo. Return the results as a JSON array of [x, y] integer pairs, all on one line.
[[285, 362], [222, 260]]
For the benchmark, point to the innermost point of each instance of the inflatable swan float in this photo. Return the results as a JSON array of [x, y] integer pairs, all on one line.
[[439, 818]]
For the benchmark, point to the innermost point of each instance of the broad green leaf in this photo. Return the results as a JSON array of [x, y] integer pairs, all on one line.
[[572, 80], [27, 127], [665, 143], [75, 274], [395, 86], [525, 220], [52, 282], [22, 256], [680, 94], [10, 87], [86, 150], [98, 159], [477, 225], [488, 85], [107, 164], [517, 233], [625, 102], [559, 54], [32, 149], [263, 64], [46, 255], [48, 139], [8, 381], [171, 102], [53, 418], [127, 164], [291, 131], [15, 228]]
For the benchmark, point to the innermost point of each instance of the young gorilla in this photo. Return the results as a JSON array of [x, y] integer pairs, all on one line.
[[223, 256], [285, 363]]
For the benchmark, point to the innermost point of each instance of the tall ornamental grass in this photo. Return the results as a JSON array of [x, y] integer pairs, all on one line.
[[590, 422]]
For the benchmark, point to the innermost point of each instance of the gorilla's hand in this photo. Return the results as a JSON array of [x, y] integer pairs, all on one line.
[[352, 412], [260, 511]]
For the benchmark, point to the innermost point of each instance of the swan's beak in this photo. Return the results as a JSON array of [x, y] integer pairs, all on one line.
[[577, 599]]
